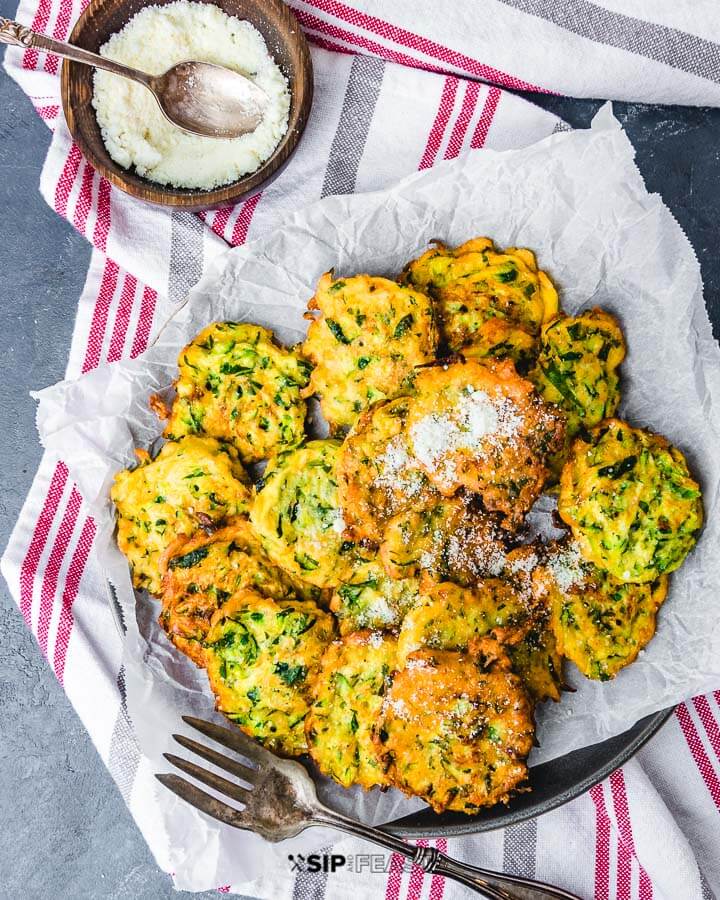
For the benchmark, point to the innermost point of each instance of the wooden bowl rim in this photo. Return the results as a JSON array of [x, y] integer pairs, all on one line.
[[189, 199]]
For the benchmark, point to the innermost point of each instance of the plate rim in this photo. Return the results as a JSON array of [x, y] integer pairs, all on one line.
[[636, 737]]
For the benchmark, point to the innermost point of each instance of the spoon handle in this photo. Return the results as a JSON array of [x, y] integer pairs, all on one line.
[[20, 36]]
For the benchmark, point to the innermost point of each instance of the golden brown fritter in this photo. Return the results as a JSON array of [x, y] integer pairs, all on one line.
[[194, 483], [578, 367], [536, 658], [450, 617], [491, 302], [377, 476], [202, 572], [369, 336], [480, 426], [368, 598], [348, 690], [450, 538], [456, 729], [297, 514], [503, 340], [262, 657], [538, 662], [631, 503], [599, 623], [237, 384]]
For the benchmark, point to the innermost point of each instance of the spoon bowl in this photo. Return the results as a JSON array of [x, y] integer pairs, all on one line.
[[209, 100]]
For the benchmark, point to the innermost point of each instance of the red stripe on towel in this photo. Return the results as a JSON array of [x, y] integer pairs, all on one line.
[[602, 844], [486, 117], [67, 179], [242, 223], [457, 138], [699, 754], [98, 324], [29, 566], [122, 318], [70, 592], [423, 45], [145, 320], [437, 132], [52, 569]]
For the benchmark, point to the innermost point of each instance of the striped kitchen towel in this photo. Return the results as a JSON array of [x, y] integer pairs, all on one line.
[[396, 90]]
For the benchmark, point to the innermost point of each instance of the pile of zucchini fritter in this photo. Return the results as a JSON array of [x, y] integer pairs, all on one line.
[[372, 599]]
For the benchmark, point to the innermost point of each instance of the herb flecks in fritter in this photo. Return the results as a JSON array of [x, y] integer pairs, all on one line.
[[369, 598], [631, 503], [192, 484], [237, 384], [577, 368], [365, 343], [297, 514], [599, 623], [354, 675], [456, 729], [478, 425], [377, 475], [262, 657], [202, 572], [536, 658], [491, 302], [450, 617], [449, 538]]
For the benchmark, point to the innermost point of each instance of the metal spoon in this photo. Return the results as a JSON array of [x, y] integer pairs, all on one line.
[[198, 97]]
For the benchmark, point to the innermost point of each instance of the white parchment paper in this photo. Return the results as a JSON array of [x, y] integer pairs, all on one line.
[[578, 200]]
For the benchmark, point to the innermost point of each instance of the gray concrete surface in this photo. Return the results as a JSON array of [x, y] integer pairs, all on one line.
[[65, 830]]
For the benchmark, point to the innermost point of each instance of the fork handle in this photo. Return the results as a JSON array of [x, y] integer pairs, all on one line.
[[492, 885]]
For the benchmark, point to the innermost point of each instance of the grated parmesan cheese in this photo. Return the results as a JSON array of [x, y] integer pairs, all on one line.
[[525, 564], [135, 131], [567, 568], [397, 469], [477, 423]]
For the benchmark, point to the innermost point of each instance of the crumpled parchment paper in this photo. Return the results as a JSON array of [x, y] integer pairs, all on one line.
[[578, 200]]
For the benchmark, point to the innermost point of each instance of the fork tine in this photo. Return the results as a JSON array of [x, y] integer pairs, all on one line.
[[234, 740], [202, 801], [209, 778], [224, 762]]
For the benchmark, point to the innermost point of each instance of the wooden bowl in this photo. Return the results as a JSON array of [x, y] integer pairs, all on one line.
[[285, 42]]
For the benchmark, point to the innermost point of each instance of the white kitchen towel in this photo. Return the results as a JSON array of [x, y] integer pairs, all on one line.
[[404, 102]]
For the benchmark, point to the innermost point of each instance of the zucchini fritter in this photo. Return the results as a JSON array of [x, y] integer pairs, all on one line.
[[503, 340], [201, 572], [370, 599], [237, 384], [599, 623], [476, 286], [630, 501], [193, 483], [377, 476], [479, 425], [455, 729], [297, 514], [450, 538], [369, 336], [261, 659], [577, 367], [536, 658], [538, 662], [450, 617], [354, 675]]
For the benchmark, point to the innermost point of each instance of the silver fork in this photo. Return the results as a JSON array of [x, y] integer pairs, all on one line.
[[279, 801]]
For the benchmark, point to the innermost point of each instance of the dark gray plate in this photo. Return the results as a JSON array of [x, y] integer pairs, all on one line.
[[553, 783]]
